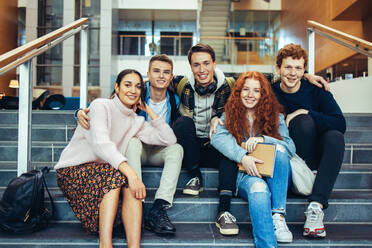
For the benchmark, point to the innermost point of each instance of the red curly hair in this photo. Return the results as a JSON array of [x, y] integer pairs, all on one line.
[[266, 111]]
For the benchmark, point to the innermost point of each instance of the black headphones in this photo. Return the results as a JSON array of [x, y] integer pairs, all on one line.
[[202, 91]]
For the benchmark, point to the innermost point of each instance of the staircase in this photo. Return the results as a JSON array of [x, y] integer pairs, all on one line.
[[214, 18], [348, 218]]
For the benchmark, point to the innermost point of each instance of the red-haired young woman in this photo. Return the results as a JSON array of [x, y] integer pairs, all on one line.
[[253, 115]]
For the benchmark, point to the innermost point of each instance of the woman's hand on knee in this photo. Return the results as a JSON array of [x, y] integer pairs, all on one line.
[[135, 184], [137, 188]]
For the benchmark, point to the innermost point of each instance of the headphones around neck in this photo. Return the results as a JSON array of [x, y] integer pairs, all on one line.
[[202, 91]]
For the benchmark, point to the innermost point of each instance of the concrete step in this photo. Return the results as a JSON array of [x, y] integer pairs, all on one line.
[[213, 26], [211, 19], [351, 177], [210, 7], [206, 34], [210, 13], [40, 132], [63, 133], [344, 207], [188, 235], [47, 117], [358, 120], [49, 152], [209, 3], [65, 117]]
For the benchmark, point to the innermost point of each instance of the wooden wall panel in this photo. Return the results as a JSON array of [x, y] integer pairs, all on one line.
[[356, 10], [339, 6], [293, 29], [8, 38]]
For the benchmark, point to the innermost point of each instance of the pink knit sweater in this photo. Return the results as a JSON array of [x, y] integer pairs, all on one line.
[[112, 125]]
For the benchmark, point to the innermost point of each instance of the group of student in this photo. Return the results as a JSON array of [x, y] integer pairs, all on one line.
[[203, 119]]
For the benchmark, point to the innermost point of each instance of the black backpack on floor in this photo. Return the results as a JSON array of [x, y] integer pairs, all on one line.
[[22, 208]]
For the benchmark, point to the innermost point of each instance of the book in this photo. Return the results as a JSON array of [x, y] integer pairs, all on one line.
[[266, 153]]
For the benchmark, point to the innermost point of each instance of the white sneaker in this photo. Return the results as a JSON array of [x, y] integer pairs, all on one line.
[[282, 233], [314, 226]]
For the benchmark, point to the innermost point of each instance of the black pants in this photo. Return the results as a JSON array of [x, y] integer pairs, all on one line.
[[198, 152], [321, 151]]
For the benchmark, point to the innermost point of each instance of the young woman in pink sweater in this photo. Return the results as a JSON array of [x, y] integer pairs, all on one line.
[[92, 170]]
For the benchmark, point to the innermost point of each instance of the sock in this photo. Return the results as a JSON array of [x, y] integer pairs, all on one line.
[[225, 200], [158, 203], [197, 173], [317, 204]]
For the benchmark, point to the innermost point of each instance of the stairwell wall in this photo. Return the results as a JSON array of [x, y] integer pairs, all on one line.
[[293, 22]]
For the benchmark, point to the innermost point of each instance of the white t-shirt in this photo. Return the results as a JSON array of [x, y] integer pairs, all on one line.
[[160, 108]]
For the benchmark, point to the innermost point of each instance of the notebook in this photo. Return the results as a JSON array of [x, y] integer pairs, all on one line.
[[266, 153]]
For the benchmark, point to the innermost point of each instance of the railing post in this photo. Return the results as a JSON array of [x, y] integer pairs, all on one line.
[[83, 68], [24, 118], [200, 4], [311, 50]]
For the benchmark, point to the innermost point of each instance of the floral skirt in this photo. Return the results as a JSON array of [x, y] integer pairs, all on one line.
[[84, 187]]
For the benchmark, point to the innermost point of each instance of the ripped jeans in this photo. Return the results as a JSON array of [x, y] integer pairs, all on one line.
[[265, 197]]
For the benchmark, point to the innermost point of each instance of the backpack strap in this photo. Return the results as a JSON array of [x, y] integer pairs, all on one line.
[[44, 171], [181, 85], [172, 101], [230, 81]]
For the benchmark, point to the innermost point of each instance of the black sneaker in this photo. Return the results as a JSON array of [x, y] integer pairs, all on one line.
[[226, 222], [193, 187], [158, 221]]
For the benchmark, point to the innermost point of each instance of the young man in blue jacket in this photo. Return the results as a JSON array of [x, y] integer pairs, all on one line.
[[164, 103], [316, 125]]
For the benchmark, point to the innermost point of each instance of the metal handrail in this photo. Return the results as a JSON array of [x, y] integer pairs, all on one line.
[[201, 37], [344, 39], [6, 58], [22, 57], [355, 40]]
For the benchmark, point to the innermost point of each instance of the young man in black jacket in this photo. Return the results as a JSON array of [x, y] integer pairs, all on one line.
[[316, 125]]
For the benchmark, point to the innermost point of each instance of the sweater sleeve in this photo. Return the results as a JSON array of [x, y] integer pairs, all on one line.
[[157, 132], [98, 135], [287, 142], [226, 144], [330, 115]]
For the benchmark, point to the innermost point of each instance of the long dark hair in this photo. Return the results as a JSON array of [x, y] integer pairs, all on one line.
[[126, 72]]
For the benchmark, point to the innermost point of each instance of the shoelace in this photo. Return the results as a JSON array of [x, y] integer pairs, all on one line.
[[228, 217], [163, 215], [279, 224], [193, 181], [313, 214]]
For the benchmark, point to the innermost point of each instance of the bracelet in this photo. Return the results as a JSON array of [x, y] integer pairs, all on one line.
[[76, 112]]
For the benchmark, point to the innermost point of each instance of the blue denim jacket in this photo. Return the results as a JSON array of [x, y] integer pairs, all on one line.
[[225, 143]]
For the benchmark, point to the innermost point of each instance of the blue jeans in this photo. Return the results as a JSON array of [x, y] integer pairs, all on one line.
[[265, 197]]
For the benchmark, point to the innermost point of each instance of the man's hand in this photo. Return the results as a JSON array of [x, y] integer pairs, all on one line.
[[135, 184], [314, 79], [294, 114], [83, 118], [249, 164], [214, 122]]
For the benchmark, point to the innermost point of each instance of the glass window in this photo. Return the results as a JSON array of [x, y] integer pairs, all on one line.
[[90, 9], [49, 64], [132, 42], [175, 43]]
